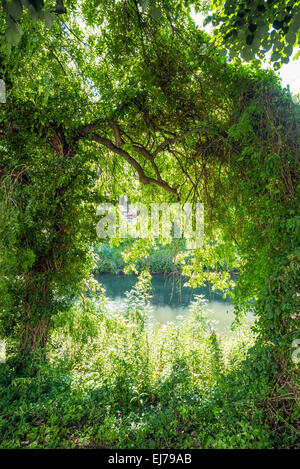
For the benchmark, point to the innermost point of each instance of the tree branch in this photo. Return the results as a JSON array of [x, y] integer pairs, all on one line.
[[116, 131], [143, 178], [171, 141]]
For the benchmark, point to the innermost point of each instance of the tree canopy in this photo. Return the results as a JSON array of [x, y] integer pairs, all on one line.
[[113, 98], [251, 29]]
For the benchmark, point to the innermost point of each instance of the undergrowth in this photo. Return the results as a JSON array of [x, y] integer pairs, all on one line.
[[119, 380]]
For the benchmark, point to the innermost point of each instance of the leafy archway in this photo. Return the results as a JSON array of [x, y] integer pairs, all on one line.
[[158, 105]]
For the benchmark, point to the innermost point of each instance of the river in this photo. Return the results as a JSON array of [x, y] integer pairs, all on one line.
[[169, 301]]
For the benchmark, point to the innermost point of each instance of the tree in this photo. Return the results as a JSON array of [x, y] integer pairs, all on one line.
[[13, 11], [251, 29], [149, 101]]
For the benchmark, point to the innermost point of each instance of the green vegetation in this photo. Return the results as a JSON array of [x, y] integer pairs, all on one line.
[[33, 10], [118, 381], [128, 97], [253, 28], [159, 258]]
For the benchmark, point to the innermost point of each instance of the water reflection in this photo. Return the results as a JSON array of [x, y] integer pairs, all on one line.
[[169, 301]]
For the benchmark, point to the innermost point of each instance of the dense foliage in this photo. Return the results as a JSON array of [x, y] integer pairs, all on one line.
[[114, 99], [251, 29], [120, 381], [13, 10], [159, 258]]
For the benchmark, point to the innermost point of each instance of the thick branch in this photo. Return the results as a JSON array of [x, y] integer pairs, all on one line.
[[135, 164], [143, 151], [116, 130]]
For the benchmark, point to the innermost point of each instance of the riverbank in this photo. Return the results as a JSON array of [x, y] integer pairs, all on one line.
[[110, 259], [115, 379], [170, 298]]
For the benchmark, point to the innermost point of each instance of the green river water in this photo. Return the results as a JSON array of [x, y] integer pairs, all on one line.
[[170, 300]]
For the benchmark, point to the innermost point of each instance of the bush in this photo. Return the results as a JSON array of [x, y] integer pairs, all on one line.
[[119, 380], [110, 259]]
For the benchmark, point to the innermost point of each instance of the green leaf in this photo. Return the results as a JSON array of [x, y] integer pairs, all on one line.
[[144, 4], [247, 54], [295, 24], [14, 9], [12, 36], [291, 38], [288, 50], [155, 12], [207, 20], [13, 32], [223, 52], [32, 13], [6, 48], [275, 56], [48, 18]]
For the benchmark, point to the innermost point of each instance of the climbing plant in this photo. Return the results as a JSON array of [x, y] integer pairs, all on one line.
[[121, 100]]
